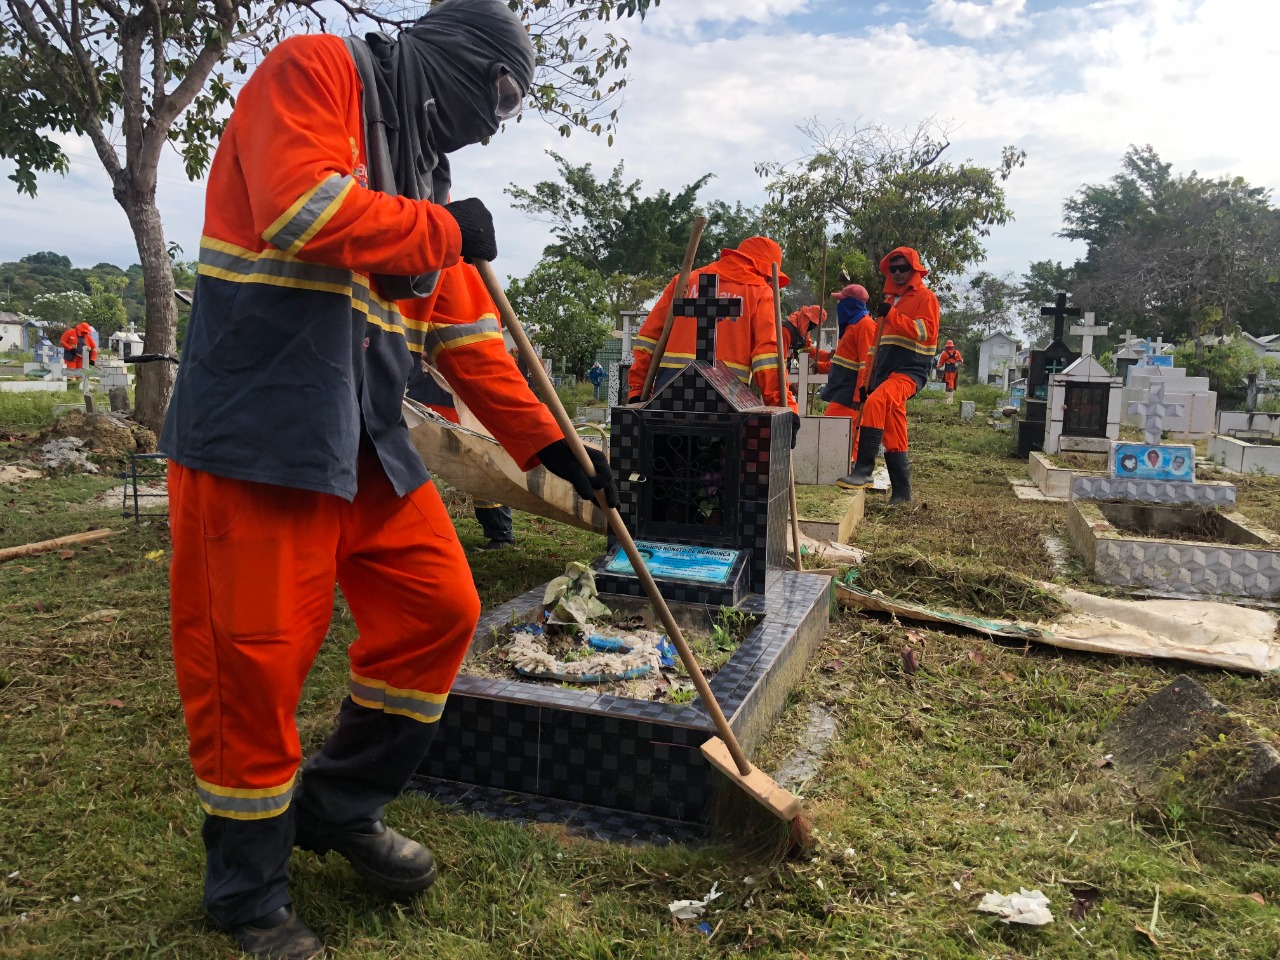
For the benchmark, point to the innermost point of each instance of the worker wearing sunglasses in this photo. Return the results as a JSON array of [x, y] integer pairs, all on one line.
[[908, 340]]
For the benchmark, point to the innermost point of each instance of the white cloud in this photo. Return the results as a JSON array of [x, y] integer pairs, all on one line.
[[1073, 92], [680, 14], [975, 21]]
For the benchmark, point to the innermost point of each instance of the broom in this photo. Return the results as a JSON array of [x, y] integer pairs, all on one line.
[[785, 390], [723, 752], [686, 268]]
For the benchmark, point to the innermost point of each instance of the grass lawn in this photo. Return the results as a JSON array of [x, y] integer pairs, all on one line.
[[978, 772]]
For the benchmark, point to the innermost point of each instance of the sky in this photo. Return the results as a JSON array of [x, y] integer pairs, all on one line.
[[717, 86]]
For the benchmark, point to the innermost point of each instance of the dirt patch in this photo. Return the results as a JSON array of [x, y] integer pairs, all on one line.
[[110, 437]]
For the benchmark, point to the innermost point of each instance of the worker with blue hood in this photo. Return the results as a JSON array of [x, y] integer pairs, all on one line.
[[332, 262]]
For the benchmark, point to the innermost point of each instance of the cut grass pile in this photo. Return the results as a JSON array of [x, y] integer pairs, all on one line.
[[971, 586], [981, 770]]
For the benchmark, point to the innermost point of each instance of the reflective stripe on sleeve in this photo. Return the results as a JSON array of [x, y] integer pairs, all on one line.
[[309, 214]]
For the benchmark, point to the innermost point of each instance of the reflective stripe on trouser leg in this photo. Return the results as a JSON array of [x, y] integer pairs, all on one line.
[[886, 409], [406, 579], [251, 596]]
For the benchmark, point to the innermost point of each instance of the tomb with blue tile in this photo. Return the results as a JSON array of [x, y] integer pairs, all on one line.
[[702, 471]]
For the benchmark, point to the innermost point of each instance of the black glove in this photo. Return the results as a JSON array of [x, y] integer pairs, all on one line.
[[93, 363], [476, 223], [883, 309], [795, 427], [862, 394], [559, 459]]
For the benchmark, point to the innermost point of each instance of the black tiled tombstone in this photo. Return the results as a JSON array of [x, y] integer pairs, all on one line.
[[702, 464]]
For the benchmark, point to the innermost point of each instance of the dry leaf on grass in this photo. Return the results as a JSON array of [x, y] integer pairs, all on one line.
[[66, 554]]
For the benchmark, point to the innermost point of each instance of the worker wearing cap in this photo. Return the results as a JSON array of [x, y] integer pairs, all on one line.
[[846, 366]]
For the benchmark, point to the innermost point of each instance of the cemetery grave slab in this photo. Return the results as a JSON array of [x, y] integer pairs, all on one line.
[[703, 470], [638, 756], [1259, 455], [1184, 738], [1179, 549], [830, 513]]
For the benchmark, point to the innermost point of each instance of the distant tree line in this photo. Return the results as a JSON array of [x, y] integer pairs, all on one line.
[[47, 287]]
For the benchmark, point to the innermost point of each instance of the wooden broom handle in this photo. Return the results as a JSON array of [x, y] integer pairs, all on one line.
[[785, 390], [686, 268], [543, 384]]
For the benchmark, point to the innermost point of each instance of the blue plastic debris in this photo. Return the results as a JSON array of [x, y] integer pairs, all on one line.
[[608, 644], [705, 927], [666, 652]]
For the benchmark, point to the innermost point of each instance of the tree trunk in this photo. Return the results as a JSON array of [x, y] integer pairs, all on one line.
[[155, 379]]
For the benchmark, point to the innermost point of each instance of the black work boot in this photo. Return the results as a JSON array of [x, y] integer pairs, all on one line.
[[868, 447], [386, 859], [899, 477], [280, 935]]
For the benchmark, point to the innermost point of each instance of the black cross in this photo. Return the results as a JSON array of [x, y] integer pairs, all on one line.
[[707, 308], [1059, 311]]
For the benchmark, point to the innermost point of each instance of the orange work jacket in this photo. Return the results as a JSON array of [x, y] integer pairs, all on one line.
[[292, 354], [748, 345]]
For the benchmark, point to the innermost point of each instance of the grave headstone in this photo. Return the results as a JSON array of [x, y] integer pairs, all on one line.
[[1032, 420], [1152, 471], [702, 466], [1087, 332], [1084, 409]]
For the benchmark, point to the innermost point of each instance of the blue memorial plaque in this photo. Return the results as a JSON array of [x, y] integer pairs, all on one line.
[[1143, 461], [704, 564]]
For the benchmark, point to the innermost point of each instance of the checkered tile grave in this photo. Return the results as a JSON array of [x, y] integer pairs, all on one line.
[[702, 398], [630, 755], [578, 819]]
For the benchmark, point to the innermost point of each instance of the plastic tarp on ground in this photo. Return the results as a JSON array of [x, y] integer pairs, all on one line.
[[1199, 631]]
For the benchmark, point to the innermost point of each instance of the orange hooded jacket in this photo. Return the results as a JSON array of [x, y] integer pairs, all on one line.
[[292, 354], [795, 329], [748, 345], [72, 355], [910, 336]]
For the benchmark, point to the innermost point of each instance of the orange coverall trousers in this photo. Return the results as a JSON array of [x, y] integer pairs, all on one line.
[[252, 586], [886, 409]]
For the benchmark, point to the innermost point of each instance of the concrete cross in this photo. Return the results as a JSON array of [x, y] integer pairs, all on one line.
[[1088, 331], [1153, 410]]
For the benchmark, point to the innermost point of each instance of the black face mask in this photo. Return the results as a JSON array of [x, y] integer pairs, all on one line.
[[438, 89]]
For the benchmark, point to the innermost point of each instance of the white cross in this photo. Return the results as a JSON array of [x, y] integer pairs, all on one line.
[[1088, 331], [1153, 410]]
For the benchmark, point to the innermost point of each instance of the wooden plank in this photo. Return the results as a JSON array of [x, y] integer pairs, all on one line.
[[477, 464]]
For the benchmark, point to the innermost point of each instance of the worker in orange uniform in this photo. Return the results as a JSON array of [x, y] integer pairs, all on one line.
[[797, 327], [74, 343], [748, 344], [909, 315], [330, 263], [949, 361], [846, 365]]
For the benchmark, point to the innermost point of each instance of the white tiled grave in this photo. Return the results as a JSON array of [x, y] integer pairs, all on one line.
[[1200, 404], [1058, 438]]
